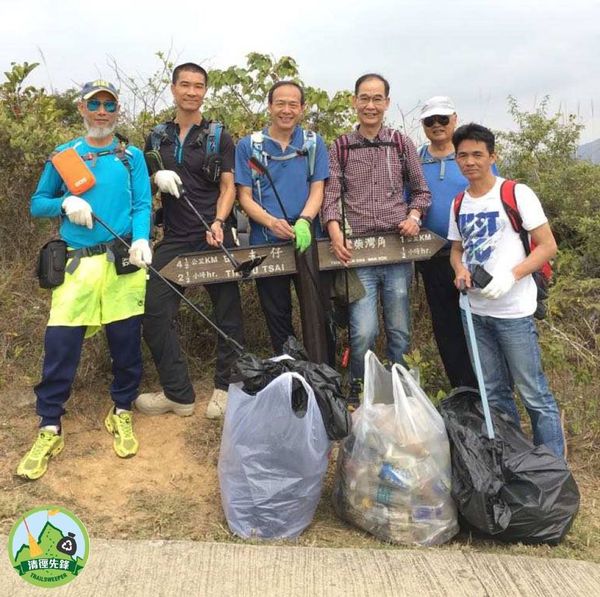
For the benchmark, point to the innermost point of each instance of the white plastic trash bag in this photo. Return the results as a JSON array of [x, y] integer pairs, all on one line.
[[393, 473], [272, 460]]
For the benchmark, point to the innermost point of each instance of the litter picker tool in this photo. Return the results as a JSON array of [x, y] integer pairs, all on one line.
[[245, 268], [234, 343], [259, 167], [478, 372]]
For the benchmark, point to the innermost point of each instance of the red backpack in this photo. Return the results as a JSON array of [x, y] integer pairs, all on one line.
[[508, 197]]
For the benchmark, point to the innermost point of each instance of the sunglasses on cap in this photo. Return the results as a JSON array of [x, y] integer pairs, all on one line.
[[93, 105], [431, 120]]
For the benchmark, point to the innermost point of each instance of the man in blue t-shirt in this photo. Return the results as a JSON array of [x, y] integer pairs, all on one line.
[[445, 181], [298, 164]]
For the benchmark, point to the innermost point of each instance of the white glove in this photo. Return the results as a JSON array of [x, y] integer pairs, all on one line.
[[140, 254], [501, 283], [78, 211], [167, 181]]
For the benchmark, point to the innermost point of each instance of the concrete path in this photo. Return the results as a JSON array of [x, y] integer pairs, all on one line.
[[165, 568]]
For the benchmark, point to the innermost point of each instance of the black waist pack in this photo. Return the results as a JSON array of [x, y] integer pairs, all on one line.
[[122, 263], [51, 263]]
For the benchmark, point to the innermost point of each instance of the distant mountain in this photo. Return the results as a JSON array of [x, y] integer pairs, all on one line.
[[590, 152]]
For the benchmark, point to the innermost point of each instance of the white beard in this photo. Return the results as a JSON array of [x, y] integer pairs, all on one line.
[[99, 132]]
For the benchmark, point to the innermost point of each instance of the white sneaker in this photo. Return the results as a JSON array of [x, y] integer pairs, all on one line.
[[156, 403], [217, 404]]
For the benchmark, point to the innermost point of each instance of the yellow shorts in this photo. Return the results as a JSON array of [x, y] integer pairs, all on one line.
[[93, 295]]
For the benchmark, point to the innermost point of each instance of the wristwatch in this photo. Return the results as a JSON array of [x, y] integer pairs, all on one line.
[[220, 220], [416, 219]]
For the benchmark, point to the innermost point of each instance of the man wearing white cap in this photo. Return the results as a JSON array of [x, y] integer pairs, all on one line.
[[445, 181]]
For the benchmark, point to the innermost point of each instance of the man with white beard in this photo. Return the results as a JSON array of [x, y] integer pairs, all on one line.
[[104, 282]]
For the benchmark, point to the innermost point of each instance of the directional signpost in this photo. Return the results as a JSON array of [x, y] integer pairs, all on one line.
[[211, 267]]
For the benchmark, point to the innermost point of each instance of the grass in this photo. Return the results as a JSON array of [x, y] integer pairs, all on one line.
[[176, 508]]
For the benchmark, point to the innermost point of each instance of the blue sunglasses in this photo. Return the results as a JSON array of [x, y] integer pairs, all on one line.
[[93, 105]]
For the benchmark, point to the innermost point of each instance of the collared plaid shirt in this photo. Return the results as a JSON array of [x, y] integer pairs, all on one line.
[[375, 195]]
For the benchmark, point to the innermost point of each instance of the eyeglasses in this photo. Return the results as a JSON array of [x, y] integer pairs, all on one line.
[[93, 105], [364, 100], [431, 120]]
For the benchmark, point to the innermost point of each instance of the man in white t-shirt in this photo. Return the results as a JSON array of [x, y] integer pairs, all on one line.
[[503, 310]]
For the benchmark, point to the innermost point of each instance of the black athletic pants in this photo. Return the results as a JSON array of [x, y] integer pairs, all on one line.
[[442, 297], [275, 295], [160, 332]]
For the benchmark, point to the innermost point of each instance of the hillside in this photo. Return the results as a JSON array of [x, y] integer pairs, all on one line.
[[589, 152]]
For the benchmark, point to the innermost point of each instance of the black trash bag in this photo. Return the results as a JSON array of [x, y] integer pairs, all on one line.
[[255, 374], [506, 488]]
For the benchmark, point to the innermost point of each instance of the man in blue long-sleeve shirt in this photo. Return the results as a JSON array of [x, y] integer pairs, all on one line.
[[95, 292]]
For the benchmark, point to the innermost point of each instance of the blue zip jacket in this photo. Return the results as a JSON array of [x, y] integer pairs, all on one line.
[[120, 198]]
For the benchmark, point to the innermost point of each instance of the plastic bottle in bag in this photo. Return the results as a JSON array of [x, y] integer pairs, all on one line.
[[401, 478]]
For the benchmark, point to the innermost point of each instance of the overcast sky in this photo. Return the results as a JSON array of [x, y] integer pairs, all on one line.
[[478, 52]]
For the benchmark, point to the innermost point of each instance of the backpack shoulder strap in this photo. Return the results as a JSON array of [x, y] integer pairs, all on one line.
[[256, 150], [457, 204], [401, 147], [398, 142], [122, 153], [158, 135], [310, 146], [213, 137], [342, 150], [509, 202]]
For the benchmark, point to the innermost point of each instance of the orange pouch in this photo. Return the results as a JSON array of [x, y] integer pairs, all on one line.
[[74, 171]]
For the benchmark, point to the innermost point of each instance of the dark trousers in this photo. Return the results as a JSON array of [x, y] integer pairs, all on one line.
[[442, 297], [160, 333], [62, 351], [275, 295]]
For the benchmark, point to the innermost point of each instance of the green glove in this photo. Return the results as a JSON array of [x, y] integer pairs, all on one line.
[[303, 236]]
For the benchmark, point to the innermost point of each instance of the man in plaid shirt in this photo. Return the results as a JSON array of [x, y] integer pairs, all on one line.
[[370, 169]]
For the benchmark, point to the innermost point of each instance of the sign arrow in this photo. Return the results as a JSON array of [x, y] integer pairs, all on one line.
[[212, 267]]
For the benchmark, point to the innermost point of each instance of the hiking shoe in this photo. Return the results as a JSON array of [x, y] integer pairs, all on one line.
[[156, 403], [120, 427], [35, 463], [217, 404], [355, 395]]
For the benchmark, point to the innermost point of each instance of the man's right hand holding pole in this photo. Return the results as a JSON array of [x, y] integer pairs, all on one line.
[[341, 248]]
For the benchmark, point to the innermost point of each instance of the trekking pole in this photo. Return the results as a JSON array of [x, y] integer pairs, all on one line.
[[477, 363], [259, 167], [234, 343], [243, 267], [155, 162], [348, 350]]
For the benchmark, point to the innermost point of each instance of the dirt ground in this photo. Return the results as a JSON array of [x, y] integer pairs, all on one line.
[[170, 489]]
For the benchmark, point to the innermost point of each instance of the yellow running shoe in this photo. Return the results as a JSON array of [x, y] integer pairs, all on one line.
[[120, 427], [35, 463]]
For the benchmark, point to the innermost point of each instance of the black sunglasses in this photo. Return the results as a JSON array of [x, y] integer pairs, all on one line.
[[431, 120]]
